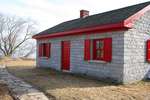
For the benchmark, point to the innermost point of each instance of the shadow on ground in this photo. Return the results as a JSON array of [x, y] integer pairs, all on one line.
[[64, 86], [52, 79]]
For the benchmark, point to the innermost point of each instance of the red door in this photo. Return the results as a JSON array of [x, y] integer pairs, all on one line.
[[65, 57]]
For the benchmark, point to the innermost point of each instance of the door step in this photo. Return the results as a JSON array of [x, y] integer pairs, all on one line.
[[66, 71]]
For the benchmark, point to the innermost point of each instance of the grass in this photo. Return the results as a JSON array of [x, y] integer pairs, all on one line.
[[64, 86], [5, 93]]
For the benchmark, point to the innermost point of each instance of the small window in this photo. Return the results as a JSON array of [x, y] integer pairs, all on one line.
[[98, 49], [44, 50], [148, 51]]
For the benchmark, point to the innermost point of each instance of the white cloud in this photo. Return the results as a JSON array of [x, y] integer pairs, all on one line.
[[51, 12]]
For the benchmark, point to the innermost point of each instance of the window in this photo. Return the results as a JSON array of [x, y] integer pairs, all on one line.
[[44, 50], [98, 49], [148, 51]]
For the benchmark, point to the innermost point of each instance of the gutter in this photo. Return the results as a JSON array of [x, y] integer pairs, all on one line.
[[85, 31], [124, 25]]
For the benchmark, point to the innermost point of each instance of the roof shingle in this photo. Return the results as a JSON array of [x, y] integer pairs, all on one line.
[[110, 17]]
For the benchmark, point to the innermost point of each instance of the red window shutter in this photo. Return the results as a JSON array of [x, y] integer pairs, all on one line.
[[40, 50], [148, 51], [87, 49], [48, 48], [108, 49], [94, 50]]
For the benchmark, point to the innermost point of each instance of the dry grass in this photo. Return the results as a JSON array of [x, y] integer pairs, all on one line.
[[17, 62], [63, 86], [4, 93]]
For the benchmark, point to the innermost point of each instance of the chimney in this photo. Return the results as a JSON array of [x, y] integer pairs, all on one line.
[[84, 13]]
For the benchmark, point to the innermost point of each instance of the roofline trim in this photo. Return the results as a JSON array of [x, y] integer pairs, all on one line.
[[124, 25], [129, 22], [83, 31]]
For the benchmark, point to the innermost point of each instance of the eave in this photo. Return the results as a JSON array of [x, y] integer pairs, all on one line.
[[124, 25], [84, 31]]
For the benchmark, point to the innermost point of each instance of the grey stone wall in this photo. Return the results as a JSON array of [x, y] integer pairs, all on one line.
[[55, 60], [135, 65], [113, 70]]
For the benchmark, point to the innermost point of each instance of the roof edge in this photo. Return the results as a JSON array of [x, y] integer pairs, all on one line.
[[84, 31], [129, 22], [126, 24]]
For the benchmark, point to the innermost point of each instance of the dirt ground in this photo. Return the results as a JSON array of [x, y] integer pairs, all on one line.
[[64, 86], [5, 93]]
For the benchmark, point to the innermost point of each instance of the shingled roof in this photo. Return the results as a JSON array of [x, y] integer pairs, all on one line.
[[114, 16]]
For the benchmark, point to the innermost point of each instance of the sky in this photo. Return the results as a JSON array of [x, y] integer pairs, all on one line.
[[48, 13]]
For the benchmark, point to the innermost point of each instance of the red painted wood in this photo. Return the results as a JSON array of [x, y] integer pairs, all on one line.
[[87, 30], [95, 50], [148, 51], [108, 49], [40, 50], [48, 49], [87, 47], [130, 21], [44, 52], [65, 57]]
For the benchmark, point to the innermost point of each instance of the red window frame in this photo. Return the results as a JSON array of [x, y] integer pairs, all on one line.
[[44, 50], [87, 49], [91, 50], [97, 49], [148, 51]]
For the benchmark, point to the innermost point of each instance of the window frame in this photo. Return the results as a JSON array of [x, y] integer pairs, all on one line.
[[45, 50], [148, 51], [90, 50], [95, 49]]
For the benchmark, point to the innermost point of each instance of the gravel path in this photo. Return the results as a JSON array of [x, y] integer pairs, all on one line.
[[20, 89]]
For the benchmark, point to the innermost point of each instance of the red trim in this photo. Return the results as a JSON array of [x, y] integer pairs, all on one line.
[[48, 50], [108, 49], [40, 50], [88, 30], [129, 22], [124, 25], [65, 55], [87, 49], [148, 51], [95, 49]]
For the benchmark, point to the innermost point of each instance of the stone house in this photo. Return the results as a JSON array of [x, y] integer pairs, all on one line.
[[113, 45]]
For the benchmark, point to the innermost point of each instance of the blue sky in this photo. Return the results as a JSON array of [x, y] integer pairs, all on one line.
[[48, 13]]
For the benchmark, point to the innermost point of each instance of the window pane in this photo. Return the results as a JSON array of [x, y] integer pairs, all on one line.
[[97, 44], [102, 54], [101, 44], [44, 49], [98, 53]]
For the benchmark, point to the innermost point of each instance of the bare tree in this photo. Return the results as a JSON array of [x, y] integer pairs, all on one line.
[[14, 33], [26, 49]]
